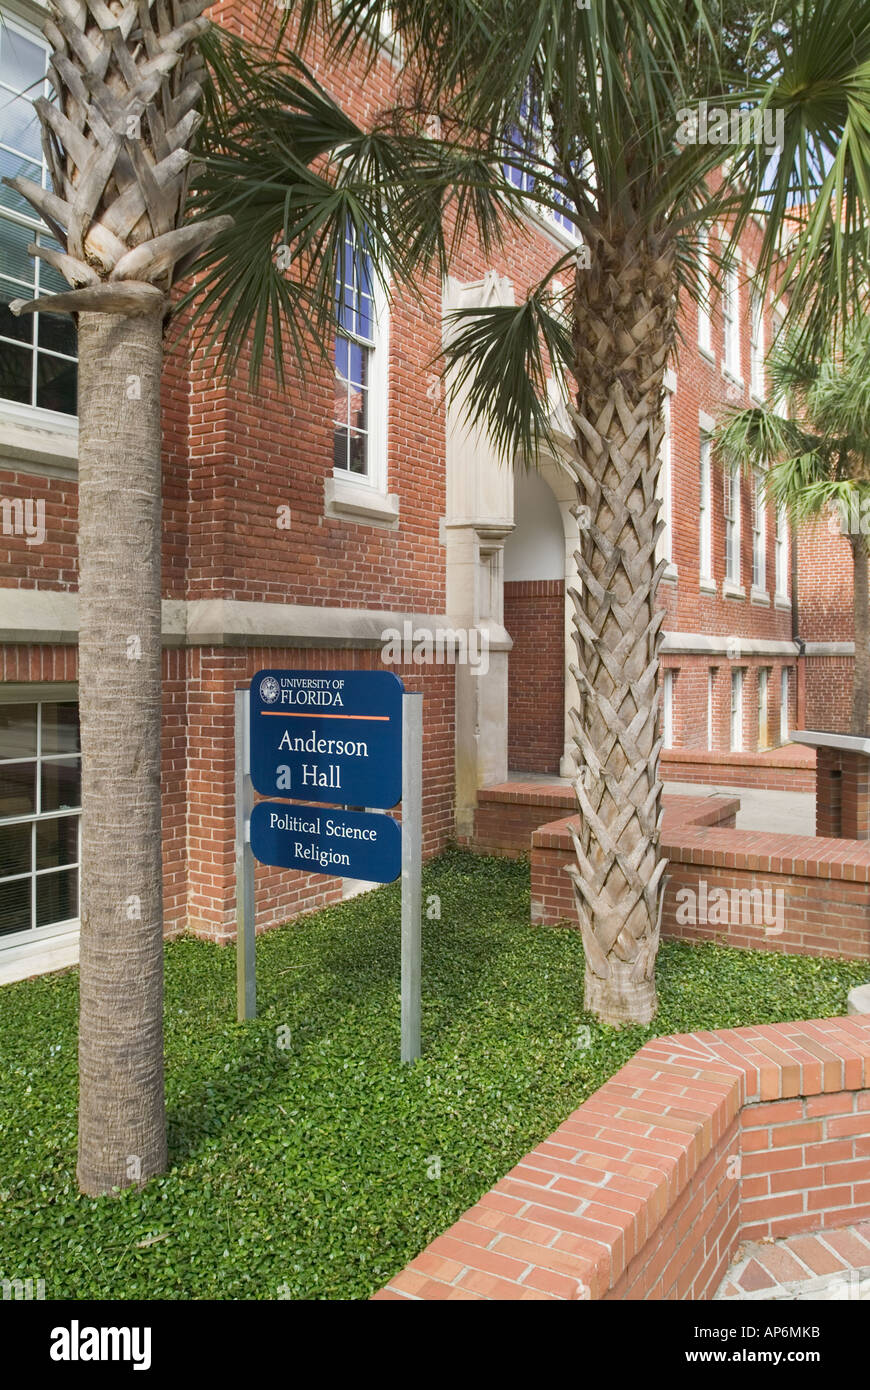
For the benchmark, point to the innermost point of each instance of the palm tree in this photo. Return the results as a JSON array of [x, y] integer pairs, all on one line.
[[127, 83], [586, 112], [816, 462]]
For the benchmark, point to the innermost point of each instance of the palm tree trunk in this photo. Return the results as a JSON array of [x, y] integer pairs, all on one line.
[[623, 334], [860, 721], [121, 1110]]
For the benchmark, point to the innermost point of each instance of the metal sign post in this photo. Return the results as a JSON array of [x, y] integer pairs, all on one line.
[[412, 890], [343, 738], [246, 980]]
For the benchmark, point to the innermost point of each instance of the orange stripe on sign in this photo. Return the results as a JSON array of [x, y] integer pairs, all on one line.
[[285, 714]]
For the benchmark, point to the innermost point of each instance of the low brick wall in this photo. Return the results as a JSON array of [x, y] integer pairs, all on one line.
[[702, 1140], [508, 814], [794, 893], [790, 768]]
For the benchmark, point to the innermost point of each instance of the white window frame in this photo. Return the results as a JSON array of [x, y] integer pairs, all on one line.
[[781, 557], [733, 539], [668, 708], [28, 412], [705, 510], [759, 538], [783, 705], [757, 383], [780, 401], [731, 318], [763, 707], [711, 682], [40, 695], [705, 319], [363, 497], [665, 483], [564, 230], [736, 713]]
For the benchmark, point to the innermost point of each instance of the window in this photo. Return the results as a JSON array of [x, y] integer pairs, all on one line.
[[531, 137], [359, 433], [731, 318], [705, 334], [711, 686], [781, 553], [762, 707], [759, 534], [780, 401], [668, 709], [40, 798], [37, 351], [756, 347], [731, 492], [664, 545], [737, 710], [783, 705], [705, 517]]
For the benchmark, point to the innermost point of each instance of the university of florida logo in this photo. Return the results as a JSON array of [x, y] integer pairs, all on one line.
[[269, 690]]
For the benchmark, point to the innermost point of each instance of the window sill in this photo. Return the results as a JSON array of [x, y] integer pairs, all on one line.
[[759, 596], [350, 501], [670, 572], [782, 601], [707, 585], [732, 378], [731, 590], [707, 354], [34, 442]]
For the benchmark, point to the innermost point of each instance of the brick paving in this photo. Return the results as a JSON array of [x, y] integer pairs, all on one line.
[[827, 1265]]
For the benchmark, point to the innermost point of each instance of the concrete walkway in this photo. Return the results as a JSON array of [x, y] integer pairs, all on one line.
[[826, 1265], [786, 813]]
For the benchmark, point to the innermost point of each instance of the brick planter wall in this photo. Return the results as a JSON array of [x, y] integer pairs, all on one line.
[[825, 887], [508, 815], [702, 1140]]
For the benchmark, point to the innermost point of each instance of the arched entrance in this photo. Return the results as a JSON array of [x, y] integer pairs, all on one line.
[[539, 568]]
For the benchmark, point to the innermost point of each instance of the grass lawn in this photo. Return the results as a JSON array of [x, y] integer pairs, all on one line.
[[305, 1171]]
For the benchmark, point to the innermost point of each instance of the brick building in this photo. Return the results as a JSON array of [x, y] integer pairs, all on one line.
[[300, 526]]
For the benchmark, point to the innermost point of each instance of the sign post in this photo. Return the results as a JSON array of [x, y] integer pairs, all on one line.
[[412, 891], [342, 739], [246, 980]]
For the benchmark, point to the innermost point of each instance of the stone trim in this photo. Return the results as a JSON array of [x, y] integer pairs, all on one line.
[[49, 617], [829, 649], [702, 644]]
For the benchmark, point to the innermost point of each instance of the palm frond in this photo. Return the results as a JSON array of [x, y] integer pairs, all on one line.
[[497, 362]]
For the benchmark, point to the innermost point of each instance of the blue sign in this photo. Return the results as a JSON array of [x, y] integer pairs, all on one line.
[[332, 736], [349, 844]]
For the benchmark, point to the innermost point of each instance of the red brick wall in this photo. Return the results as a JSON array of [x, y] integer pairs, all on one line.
[[824, 585], [824, 909], [828, 693], [700, 1141], [534, 615]]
